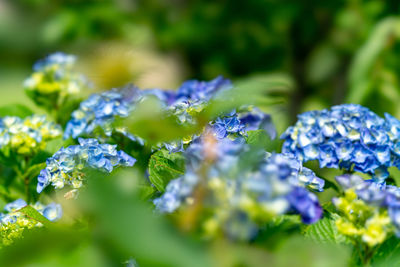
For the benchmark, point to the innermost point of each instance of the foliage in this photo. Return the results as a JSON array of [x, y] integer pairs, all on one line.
[[201, 178], [165, 166]]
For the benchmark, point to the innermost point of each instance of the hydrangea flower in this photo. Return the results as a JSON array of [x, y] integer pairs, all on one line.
[[201, 90], [370, 210], [66, 166], [274, 184], [191, 90], [189, 99], [184, 112], [227, 126], [13, 222], [54, 80], [232, 125], [55, 61], [346, 136], [192, 96], [100, 110], [238, 122], [26, 136]]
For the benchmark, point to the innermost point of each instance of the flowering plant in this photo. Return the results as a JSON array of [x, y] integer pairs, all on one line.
[[128, 158]]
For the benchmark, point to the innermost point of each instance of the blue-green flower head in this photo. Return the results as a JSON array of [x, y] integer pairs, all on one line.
[[227, 125], [192, 91], [201, 90], [176, 193], [13, 222], [233, 125], [346, 136], [56, 59], [52, 211], [287, 167], [15, 205], [100, 110], [306, 204], [27, 136], [275, 184], [66, 166], [191, 98], [54, 79], [378, 195]]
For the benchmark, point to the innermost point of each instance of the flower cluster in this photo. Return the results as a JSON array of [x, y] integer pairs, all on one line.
[[232, 125], [222, 180], [192, 90], [346, 136], [54, 79], [186, 102], [186, 110], [191, 97], [272, 185], [100, 110], [26, 136], [369, 210], [238, 122], [66, 165], [13, 223]]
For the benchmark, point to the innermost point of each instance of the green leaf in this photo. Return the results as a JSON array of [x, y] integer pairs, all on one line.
[[163, 167], [261, 139], [388, 254], [258, 138], [277, 230], [260, 90], [59, 246], [15, 110], [130, 228], [150, 122], [146, 191], [35, 169], [325, 231], [32, 213], [302, 252], [54, 145], [367, 56]]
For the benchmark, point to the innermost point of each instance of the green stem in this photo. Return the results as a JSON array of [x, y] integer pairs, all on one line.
[[6, 197], [22, 174], [28, 194], [27, 180], [368, 254], [17, 171]]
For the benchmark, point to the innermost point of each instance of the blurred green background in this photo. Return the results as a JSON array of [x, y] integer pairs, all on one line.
[[331, 51]]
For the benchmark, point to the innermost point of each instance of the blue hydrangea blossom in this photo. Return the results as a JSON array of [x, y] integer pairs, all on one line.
[[100, 110], [238, 122], [55, 59], [13, 222], [275, 185], [55, 76], [66, 166], [52, 211], [375, 194], [231, 125], [27, 136], [192, 90], [346, 136]]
